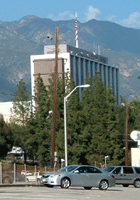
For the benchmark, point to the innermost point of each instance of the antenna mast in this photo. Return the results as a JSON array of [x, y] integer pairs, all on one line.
[[76, 31]]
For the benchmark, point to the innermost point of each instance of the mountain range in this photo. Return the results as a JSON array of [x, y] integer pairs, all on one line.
[[20, 39]]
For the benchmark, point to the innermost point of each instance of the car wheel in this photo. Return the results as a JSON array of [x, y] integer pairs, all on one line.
[[87, 188], [125, 185], [137, 183], [103, 185], [6, 180], [65, 183]]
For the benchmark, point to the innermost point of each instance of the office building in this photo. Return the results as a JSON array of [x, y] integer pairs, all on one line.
[[78, 62]]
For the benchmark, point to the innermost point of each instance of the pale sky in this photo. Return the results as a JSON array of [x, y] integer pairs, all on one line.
[[123, 12]]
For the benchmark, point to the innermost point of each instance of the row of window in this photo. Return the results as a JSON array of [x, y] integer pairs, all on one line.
[[81, 68]]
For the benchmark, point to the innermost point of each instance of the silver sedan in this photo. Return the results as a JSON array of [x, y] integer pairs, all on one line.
[[79, 175]]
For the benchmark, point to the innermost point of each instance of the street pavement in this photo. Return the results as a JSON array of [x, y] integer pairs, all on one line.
[[73, 193]]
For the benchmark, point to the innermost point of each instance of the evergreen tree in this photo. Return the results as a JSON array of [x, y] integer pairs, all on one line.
[[21, 104], [101, 123], [73, 122], [20, 116], [6, 138], [42, 126], [115, 131]]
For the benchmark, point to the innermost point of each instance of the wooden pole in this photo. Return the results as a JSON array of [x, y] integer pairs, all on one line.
[[54, 119], [126, 140]]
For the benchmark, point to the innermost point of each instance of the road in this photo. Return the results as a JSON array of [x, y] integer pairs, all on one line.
[[56, 193]]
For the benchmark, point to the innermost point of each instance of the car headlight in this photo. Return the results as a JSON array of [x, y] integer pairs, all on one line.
[[55, 176]]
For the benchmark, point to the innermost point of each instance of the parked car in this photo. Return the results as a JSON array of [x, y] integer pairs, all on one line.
[[34, 177], [125, 175], [79, 175]]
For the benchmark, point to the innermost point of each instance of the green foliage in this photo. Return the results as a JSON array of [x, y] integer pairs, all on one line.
[[95, 125], [21, 104], [41, 132], [6, 138], [73, 122], [101, 123], [20, 116]]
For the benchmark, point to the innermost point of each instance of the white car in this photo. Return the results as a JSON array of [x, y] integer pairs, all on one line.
[[35, 177]]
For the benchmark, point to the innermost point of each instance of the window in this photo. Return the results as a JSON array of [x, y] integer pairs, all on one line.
[[82, 170], [127, 170], [93, 170], [137, 169], [108, 169], [117, 170]]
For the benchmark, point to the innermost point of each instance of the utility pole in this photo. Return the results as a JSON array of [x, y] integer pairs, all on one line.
[[54, 119], [126, 135]]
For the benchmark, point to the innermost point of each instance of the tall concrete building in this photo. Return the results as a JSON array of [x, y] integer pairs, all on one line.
[[78, 62]]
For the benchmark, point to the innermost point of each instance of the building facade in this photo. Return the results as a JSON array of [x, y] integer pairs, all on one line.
[[78, 62]]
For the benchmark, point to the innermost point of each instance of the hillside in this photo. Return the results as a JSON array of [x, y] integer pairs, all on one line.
[[119, 44]]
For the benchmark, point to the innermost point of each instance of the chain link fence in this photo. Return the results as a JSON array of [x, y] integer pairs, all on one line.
[[18, 174]]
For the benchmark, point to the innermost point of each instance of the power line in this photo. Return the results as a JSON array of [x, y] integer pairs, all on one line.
[[6, 94], [21, 36]]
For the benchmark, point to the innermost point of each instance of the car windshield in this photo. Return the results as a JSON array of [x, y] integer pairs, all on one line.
[[108, 169], [68, 168]]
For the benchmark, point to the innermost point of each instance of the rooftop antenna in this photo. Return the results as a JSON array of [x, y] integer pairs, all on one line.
[[99, 50], [76, 31]]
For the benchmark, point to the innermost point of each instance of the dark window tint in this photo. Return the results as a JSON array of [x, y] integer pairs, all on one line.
[[82, 169], [117, 170], [93, 170], [137, 169], [108, 169], [127, 170]]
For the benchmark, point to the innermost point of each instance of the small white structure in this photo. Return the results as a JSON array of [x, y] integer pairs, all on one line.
[[135, 157], [135, 152], [6, 110]]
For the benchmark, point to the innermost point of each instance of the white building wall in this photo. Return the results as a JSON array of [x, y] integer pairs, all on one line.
[[5, 110], [135, 157]]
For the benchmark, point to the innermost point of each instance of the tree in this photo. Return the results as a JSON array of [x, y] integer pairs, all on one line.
[[115, 130], [6, 138], [101, 134], [21, 114], [73, 122], [21, 104], [41, 120]]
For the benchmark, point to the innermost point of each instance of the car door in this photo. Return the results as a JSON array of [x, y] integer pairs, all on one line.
[[80, 177], [118, 174], [128, 174], [94, 176]]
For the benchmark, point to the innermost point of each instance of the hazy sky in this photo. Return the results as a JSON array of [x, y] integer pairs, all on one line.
[[123, 12]]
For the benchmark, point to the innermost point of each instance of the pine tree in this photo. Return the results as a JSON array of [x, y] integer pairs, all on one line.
[[21, 104], [6, 138], [95, 136], [20, 116], [42, 126], [115, 131], [73, 123]]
